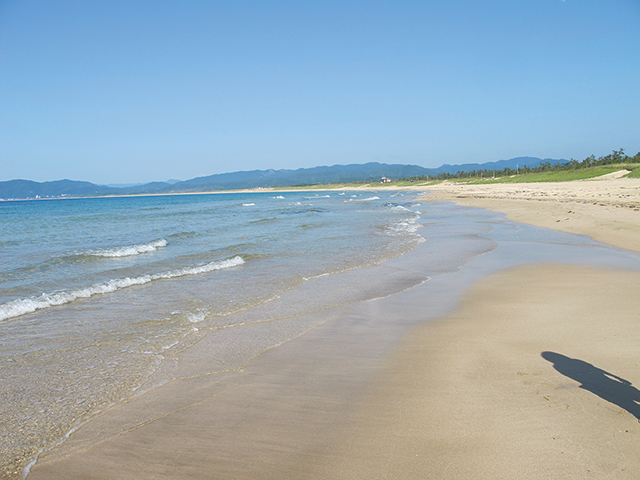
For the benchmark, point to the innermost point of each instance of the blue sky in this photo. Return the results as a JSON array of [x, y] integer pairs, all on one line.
[[137, 91]]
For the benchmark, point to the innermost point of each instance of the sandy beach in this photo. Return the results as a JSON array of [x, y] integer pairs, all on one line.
[[533, 375], [605, 208]]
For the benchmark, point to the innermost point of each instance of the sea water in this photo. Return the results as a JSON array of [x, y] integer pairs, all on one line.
[[95, 293]]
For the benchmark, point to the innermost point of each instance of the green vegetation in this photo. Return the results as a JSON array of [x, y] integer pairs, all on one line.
[[590, 167], [558, 175], [635, 172]]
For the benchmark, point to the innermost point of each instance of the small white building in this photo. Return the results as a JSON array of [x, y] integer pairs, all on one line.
[[385, 180]]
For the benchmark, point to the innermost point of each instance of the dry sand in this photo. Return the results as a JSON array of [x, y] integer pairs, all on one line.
[[472, 395], [605, 208]]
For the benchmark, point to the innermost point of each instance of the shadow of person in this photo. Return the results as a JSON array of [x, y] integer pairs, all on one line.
[[606, 385]]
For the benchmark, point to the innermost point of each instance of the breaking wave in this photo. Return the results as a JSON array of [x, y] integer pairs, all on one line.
[[131, 250], [409, 226], [19, 307], [369, 199]]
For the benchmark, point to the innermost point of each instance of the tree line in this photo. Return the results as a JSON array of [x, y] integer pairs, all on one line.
[[617, 157]]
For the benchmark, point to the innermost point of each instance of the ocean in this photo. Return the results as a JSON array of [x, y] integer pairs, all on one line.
[[96, 293]]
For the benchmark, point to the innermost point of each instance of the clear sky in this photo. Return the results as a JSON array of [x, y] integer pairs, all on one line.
[[137, 91]]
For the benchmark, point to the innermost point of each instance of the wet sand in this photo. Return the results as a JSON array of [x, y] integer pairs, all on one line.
[[397, 388]]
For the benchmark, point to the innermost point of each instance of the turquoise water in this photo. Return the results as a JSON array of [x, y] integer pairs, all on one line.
[[95, 293]]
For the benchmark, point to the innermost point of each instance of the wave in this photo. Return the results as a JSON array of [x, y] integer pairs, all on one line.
[[397, 207], [409, 226], [131, 250], [307, 210], [15, 308], [400, 208], [87, 256], [369, 199], [198, 316], [264, 220], [183, 235]]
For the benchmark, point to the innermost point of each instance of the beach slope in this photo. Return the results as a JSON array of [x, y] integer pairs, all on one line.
[[534, 376]]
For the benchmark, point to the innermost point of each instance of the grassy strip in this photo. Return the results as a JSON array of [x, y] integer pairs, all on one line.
[[635, 173], [555, 176], [551, 176]]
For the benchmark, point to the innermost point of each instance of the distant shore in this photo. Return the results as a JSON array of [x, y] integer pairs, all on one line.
[[206, 192]]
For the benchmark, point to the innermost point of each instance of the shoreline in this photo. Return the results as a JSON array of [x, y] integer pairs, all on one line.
[[310, 408], [366, 187], [607, 210]]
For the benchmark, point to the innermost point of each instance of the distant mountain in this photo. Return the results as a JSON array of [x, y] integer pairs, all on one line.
[[21, 189], [123, 185], [369, 172]]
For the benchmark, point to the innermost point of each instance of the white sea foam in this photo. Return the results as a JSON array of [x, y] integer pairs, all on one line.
[[16, 308], [131, 250], [401, 228], [172, 344], [248, 204], [400, 208], [369, 199], [197, 316]]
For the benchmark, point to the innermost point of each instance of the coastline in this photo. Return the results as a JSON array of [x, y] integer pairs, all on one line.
[[204, 192], [296, 412], [606, 209]]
